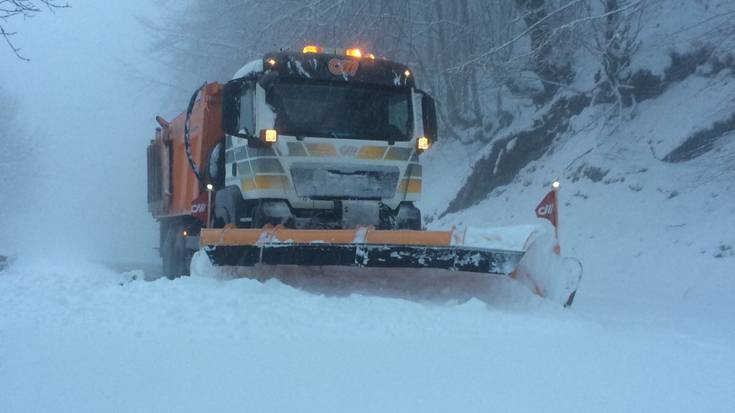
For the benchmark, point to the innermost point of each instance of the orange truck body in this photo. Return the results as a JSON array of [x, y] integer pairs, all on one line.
[[172, 185]]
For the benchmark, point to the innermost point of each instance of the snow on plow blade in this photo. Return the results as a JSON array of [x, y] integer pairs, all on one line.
[[390, 252]]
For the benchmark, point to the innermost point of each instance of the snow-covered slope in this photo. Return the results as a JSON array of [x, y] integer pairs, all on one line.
[[649, 232]]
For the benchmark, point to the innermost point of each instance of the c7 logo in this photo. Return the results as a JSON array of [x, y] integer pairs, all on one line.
[[343, 67]]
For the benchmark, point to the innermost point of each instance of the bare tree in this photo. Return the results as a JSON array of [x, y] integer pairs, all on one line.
[[14, 145], [550, 70], [18, 166], [23, 8]]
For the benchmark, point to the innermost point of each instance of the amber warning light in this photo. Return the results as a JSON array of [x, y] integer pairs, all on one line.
[[353, 52], [313, 49]]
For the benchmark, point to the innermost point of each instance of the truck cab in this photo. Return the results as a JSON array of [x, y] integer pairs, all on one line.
[[321, 139]]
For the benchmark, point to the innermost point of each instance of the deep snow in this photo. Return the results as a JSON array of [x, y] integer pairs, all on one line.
[[651, 329], [88, 339]]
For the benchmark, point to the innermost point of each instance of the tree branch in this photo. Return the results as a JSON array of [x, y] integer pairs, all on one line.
[[27, 9]]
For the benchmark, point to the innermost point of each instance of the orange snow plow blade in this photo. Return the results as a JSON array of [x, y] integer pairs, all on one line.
[[365, 251], [362, 235]]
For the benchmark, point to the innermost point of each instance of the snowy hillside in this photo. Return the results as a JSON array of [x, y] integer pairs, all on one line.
[[654, 237], [648, 200], [652, 328]]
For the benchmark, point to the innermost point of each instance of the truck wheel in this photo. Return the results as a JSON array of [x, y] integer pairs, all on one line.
[[408, 217], [270, 212], [167, 255], [175, 256], [260, 218], [184, 259], [257, 217], [181, 255]]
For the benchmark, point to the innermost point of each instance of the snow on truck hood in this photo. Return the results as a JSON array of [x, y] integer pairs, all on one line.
[[252, 67]]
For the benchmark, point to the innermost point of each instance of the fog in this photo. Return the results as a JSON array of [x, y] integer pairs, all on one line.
[[86, 103]]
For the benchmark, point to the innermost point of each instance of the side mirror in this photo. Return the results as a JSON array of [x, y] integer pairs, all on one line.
[[428, 109], [231, 107]]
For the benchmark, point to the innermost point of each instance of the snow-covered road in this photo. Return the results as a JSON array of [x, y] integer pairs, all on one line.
[[652, 328], [84, 338]]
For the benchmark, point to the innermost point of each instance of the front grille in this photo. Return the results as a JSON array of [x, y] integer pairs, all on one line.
[[345, 181]]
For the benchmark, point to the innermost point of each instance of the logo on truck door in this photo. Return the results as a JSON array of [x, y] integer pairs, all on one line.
[[198, 209], [340, 67]]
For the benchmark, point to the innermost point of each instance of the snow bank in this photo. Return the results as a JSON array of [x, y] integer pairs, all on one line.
[[514, 238]]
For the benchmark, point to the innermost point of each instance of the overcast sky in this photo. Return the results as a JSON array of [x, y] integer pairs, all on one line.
[[90, 117]]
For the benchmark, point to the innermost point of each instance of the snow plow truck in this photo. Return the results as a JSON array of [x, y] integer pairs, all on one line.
[[310, 161]]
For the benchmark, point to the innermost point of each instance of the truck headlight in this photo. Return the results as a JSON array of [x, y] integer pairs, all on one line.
[[423, 143], [269, 135]]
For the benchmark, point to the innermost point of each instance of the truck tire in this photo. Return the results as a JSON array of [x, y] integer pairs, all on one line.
[[408, 217], [227, 204], [167, 254], [258, 218], [181, 255], [176, 258], [273, 212]]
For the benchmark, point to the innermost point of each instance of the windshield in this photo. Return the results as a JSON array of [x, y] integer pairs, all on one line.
[[342, 110]]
